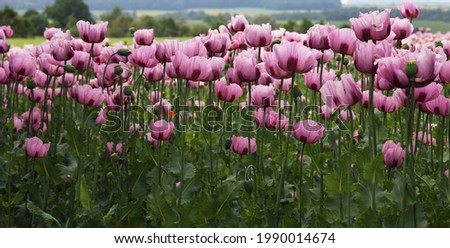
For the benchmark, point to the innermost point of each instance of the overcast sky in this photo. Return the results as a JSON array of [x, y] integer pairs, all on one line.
[[397, 2]]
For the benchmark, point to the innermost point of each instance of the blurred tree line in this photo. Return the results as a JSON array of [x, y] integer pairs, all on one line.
[[65, 14], [32, 23]]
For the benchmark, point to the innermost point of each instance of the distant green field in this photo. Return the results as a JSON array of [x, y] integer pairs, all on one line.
[[436, 26], [21, 42]]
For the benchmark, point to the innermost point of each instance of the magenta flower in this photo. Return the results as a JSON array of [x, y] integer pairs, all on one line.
[[263, 96], [347, 115], [227, 93], [287, 85], [439, 106], [373, 25], [61, 49], [194, 68], [258, 35], [294, 57], [92, 33], [50, 32], [393, 69], [22, 63], [113, 100], [382, 84], [237, 41], [144, 37], [402, 28], [217, 43], [239, 145], [7, 31], [326, 112], [308, 131], [367, 54], [111, 52], [4, 75], [4, 46], [444, 74], [154, 74], [166, 49], [343, 41], [270, 119], [424, 138], [110, 149], [193, 47], [393, 154], [238, 23], [86, 95], [272, 67], [35, 148], [342, 93], [50, 66], [214, 67], [427, 93], [101, 116], [264, 78], [163, 107], [18, 123], [162, 130], [409, 10], [143, 56], [245, 66], [154, 143], [384, 103], [312, 79], [80, 60], [318, 36]]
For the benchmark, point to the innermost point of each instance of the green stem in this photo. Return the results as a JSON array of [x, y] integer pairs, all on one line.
[[349, 167], [372, 136], [408, 156], [300, 187], [285, 163], [441, 164], [91, 55]]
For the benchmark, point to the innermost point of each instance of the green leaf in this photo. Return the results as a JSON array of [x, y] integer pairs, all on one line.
[[190, 189], [373, 172], [35, 210], [110, 213], [226, 193], [84, 194], [189, 171]]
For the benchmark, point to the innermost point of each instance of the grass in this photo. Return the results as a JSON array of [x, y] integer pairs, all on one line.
[[436, 26]]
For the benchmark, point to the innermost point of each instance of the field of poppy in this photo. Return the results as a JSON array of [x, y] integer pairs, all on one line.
[[244, 126]]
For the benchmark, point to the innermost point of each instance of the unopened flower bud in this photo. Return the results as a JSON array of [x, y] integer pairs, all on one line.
[[128, 91], [69, 68], [118, 70], [31, 85], [296, 92], [124, 52], [411, 68]]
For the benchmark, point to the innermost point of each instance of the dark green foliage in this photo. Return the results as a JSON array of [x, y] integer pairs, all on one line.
[[62, 10]]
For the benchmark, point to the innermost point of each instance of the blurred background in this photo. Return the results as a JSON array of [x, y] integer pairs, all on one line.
[[187, 18]]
